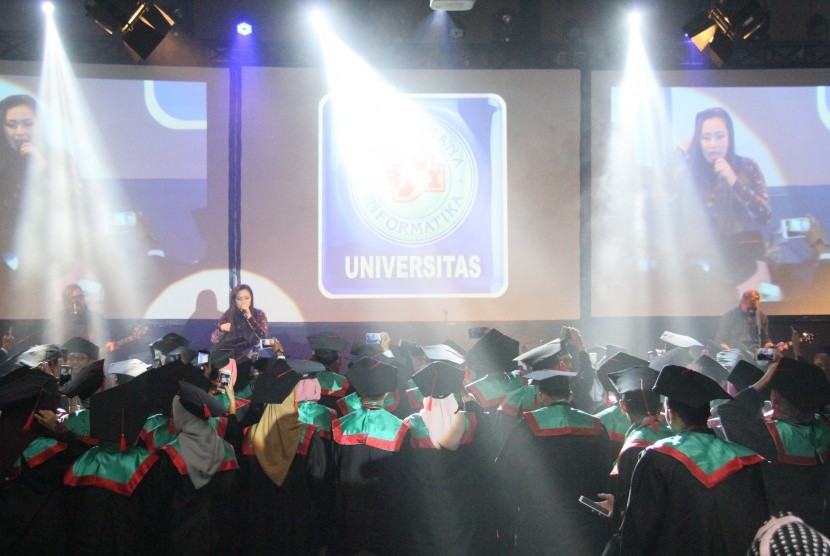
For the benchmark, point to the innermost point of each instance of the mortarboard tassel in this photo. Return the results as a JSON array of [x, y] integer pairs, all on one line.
[[171, 426], [651, 420], [206, 410], [432, 392], [28, 424], [122, 445]]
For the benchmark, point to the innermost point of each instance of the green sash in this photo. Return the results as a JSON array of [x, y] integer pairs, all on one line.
[[372, 426], [77, 423], [106, 467], [352, 402], [40, 450], [616, 423], [642, 435], [560, 419], [332, 384], [156, 432], [801, 444], [314, 417], [419, 434], [492, 390], [709, 459], [526, 398], [174, 451]]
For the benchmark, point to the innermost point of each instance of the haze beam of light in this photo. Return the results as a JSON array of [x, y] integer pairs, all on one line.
[[637, 233], [63, 235]]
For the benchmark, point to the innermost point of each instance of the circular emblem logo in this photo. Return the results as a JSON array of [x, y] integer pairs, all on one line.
[[421, 194]]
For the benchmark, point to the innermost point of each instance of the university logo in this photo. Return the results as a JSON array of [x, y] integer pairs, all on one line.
[[419, 198]]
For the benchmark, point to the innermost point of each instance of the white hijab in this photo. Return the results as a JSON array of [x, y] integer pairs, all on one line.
[[444, 423]]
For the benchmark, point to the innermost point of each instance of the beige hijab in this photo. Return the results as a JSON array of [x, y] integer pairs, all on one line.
[[275, 438]]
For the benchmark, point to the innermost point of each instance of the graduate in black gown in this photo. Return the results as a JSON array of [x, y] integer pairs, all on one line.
[[369, 482], [443, 466], [692, 493], [199, 476], [794, 440], [552, 457]]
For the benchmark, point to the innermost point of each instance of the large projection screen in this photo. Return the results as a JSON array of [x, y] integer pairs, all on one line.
[[672, 234], [491, 235], [138, 214]]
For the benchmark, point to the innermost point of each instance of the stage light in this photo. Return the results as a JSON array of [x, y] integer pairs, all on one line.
[[48, 8], [142, 25], [716, 30], [634, 19], [244, 28], [452, 5]]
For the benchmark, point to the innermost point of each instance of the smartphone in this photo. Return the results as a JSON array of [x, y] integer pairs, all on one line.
[[795, 227], [267, 343], [224, 378], [765, 354], [65, 374], [476, 332], [373, 337], [202, 358], [594, 506]]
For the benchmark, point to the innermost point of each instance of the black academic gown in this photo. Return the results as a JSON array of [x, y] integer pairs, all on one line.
[[369, 490], [672, 512], [444, 492], [35, 516], [795, 484], [544, 473]]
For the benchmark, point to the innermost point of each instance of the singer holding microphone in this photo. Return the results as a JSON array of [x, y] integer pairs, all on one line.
[[19, 159], [242, 319]]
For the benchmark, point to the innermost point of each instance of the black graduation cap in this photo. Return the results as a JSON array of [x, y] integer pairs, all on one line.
[[198, 402], [118, 414], [87, 382], [228, 348], [712, 368], [617, 362], [687, 386], [635, 382], [10, 363], [360, 351], [371, 377], [80, 345], [802, 384], [744, 375], [439, 379], [36, 355], [327, 340], [275, 383], [305, 366], [455, 346], [494, 352], [540, 355], [23, 386], [169, 342], [160, 384], [243, 374]]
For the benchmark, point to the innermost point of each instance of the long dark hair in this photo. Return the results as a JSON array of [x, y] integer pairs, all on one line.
[[233, 314], [12, 165], [701, 169]]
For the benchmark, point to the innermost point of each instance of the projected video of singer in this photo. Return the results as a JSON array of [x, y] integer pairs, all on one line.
[[731, 191]]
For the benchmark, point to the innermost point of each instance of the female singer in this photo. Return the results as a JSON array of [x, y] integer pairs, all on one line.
[[242, 319]]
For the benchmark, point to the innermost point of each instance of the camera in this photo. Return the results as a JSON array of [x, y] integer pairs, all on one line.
[[765, 354], [267, 343], [224, 377], [476, 332], [373, 337], [65, 375]]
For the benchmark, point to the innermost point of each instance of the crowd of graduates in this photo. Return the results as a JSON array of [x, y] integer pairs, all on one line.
[[409, 449]]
